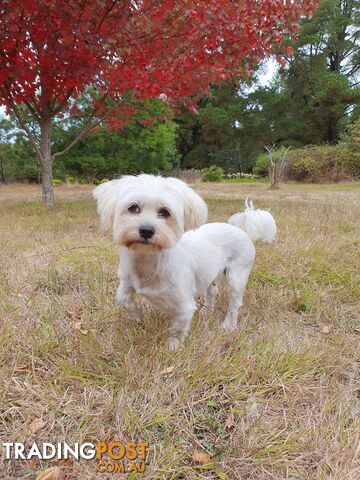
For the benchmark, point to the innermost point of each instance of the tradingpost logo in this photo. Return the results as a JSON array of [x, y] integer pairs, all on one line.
[[109, 457]]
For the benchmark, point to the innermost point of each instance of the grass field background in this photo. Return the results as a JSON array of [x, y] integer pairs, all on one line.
[[280, 399]]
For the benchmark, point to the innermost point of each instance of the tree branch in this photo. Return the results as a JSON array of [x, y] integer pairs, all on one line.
[[63, 101], [88, 127], [33, 110], [27, 130], [106, 13]]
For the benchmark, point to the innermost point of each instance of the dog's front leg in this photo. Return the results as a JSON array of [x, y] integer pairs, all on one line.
[[180, 325], [125, 297]]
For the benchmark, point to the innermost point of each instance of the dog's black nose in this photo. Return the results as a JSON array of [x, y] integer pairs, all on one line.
[[146, 232]]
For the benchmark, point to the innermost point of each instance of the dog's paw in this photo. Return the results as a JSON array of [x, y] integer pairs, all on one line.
[[174, 343]]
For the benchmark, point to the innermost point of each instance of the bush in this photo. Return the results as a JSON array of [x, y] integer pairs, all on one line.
[[349, 159], [213, 174], [70, 180], [57, 181], [261, 167], [325, 163], [102, 180]]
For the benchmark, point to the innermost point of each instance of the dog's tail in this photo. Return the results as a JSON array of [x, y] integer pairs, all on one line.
[[258, 224]]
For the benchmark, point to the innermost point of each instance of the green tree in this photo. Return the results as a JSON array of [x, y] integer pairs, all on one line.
[[146, 144], [321, 82], [215, 135], [310, 101]]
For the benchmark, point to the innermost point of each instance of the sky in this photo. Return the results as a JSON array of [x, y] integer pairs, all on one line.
[[269, 69]]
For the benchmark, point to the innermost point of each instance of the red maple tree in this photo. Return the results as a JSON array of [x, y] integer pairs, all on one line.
[[52, 50]]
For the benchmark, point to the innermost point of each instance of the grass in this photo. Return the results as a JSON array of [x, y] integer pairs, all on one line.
[[280, 399]]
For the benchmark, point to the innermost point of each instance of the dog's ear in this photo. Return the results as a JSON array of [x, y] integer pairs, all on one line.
[[106, 195], [195, 209]]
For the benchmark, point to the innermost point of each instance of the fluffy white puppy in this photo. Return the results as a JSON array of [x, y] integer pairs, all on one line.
[[167, 254]]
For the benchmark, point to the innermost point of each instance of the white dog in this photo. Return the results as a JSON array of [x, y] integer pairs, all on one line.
[[258, 224], [168, 255]]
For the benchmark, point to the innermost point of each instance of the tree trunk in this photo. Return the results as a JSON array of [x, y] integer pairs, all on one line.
[[272, 175], [46, 162], [2, 175]]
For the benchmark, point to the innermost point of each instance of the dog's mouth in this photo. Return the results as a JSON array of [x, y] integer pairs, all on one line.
[[133, 244], [140, 241]]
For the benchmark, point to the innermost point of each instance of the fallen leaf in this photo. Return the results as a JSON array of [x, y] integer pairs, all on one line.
[[36, 425], [75, 315], [230, 421], [52, 473], [167, 370], [326, 329], [79, 326], [201, 457], [357, 330]]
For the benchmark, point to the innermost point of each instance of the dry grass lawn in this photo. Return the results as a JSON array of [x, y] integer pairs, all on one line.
[[278, 400]]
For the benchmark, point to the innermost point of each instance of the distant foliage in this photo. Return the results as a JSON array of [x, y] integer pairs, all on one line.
[[213, 174], [145, 144], [325, 163], [262, 163], [320, 163], [261, 166]]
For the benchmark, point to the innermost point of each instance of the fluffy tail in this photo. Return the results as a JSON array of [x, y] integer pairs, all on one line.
[[258, 224]]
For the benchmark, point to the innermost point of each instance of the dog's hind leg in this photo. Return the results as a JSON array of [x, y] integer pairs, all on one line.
[[237, 277], [211, 295]]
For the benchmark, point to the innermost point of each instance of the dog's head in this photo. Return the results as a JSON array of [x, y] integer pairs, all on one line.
[[147, 212]]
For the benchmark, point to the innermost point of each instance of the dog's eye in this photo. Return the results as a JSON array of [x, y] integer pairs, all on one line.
[[134, 208], [164, 213]]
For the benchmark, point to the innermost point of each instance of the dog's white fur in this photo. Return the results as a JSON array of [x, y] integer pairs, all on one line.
[[258, 224], [184, 259]]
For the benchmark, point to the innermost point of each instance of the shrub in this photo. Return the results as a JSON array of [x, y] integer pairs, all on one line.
[[262, 163], [98, 182], [325, 163], [57, 181], [213, 174], [261, 167], [30, 174], [70, 180], [349, 159]]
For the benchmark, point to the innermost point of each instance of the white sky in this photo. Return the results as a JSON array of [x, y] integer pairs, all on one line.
[[267, 72]]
